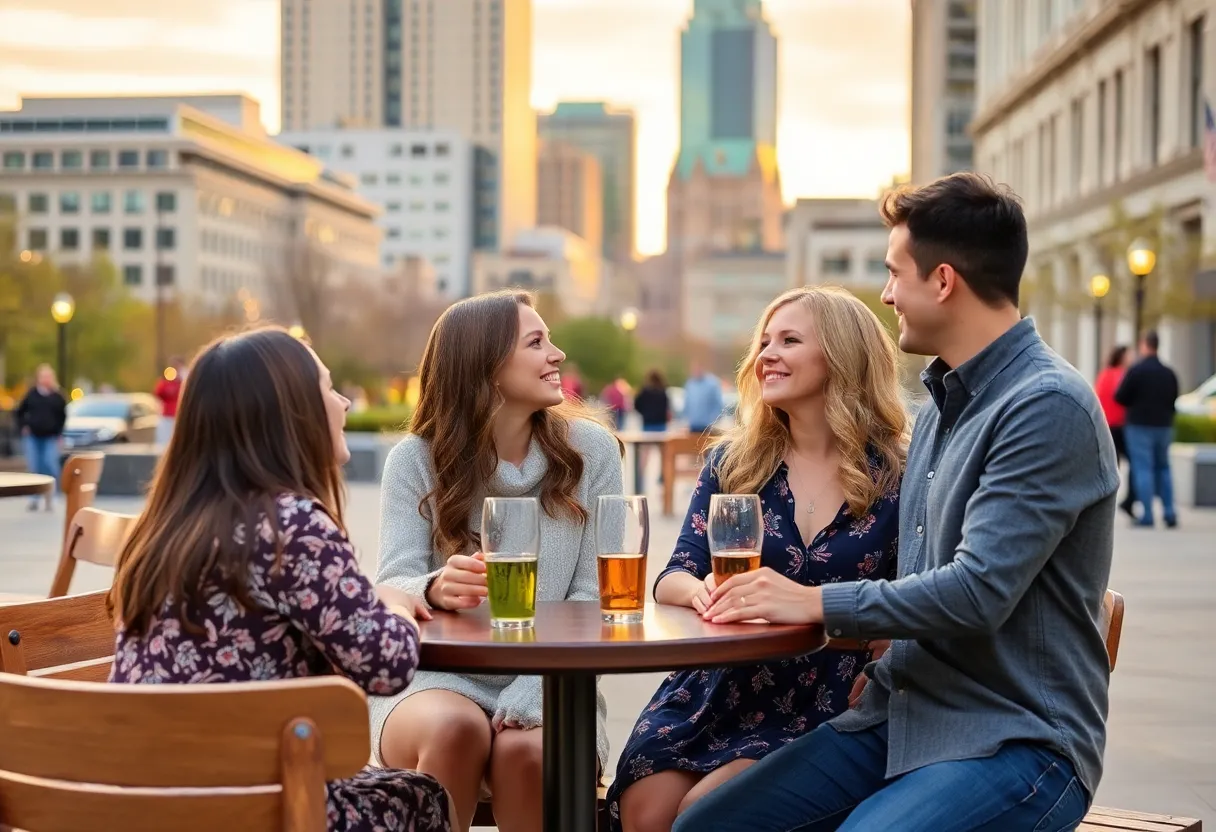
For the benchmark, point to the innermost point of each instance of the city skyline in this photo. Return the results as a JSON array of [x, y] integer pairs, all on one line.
[[835, 137]]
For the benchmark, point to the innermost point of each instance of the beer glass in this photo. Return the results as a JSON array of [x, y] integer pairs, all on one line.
[[736, 532], [510, 542], [622, 536]]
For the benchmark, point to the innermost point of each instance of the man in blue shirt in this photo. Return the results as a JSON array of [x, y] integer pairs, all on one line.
[[702, 400], [988, 709]]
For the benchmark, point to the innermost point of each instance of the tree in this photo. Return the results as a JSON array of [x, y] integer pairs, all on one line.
[[601, 349], [304, 290]]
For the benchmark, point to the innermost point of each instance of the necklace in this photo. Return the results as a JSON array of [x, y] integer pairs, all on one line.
[[810, 506]]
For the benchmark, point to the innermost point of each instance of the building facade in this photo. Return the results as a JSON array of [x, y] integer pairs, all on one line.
[[1094, 112], [463, 65], [943, 86], [568, 191], [552, 262], [725, 294], [424, 183], [842, 242], [185, 193], [611, 137]]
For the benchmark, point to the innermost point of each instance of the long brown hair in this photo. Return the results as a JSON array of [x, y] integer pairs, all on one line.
[[251, 425], [862, 402], [457, 403]]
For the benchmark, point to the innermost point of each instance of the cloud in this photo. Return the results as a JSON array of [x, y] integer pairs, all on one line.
[[177, 13]]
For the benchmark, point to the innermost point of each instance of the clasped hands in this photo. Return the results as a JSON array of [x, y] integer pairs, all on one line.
[[761, 593]]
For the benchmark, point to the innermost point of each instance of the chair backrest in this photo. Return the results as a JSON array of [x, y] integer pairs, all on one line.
[[60, 638], [94, 536], [81, 473], [1112, 623], [251, 756]]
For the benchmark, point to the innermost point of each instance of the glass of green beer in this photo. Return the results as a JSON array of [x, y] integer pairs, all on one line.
[[510, 542]]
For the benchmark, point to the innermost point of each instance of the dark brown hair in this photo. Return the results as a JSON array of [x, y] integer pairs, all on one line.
[[250, 427], [457, 402], [967, 222]]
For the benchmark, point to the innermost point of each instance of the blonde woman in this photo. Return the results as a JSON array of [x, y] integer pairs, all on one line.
[[822, 438]]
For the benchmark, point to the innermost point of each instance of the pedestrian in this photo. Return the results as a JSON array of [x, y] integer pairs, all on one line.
[[1148, 391], [41, 416], [703, 400], [169, 389], [616, 398], [1116, 415]]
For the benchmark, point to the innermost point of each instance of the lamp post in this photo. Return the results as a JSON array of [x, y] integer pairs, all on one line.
[[1140, 261], [296, 331], [1099, 285], [62, 310]]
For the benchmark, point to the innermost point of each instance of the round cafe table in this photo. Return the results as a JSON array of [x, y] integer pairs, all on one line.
[[569, 646], [25, 485]]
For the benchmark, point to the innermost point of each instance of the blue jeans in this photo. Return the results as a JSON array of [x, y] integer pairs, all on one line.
[[1148, 450], [829, 780], [42, 455]]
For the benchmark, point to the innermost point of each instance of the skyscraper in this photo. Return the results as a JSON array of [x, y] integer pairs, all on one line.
[[943, 87], [610, 136], [725, 191], [462, 65]]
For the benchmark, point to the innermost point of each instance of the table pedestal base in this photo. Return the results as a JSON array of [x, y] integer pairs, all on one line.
[[570, 754]]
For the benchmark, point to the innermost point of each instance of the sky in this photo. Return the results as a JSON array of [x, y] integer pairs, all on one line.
[[843, 73]]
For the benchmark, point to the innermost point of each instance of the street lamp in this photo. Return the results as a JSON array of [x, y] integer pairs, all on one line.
[[62, 310], [629, 319], [1140, 260], [1099, 285], [296, 331]]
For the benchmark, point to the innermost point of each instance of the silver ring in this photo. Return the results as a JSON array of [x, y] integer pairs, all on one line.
[[743, 600]]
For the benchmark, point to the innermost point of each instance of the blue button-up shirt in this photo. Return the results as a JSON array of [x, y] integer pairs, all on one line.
[[1005, 538], [703, 401]]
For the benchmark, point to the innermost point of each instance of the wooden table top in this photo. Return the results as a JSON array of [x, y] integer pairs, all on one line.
[[570, 635], [24, 485]]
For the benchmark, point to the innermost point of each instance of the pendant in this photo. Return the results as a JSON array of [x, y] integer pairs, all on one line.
[[810, 509]]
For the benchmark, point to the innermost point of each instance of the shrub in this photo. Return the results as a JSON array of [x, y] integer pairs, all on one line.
[[1197, 429], [379, 420]]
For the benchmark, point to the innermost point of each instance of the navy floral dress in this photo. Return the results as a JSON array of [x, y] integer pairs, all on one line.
[[316, 615], [700, 720]]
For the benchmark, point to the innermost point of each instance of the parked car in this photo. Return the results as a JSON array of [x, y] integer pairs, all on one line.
[[1199, 402], [106, 418]]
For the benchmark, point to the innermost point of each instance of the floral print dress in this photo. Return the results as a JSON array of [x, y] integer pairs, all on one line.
[[315, 615], [700, 720]]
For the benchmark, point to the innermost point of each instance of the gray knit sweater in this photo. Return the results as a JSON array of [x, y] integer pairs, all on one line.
[[567, 557]]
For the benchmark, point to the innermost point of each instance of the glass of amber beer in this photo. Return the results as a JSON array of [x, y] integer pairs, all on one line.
[[510, 542], [622, 536], [736, 532]]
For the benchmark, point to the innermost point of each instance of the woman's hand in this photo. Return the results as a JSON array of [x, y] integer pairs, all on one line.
[[461, 585], [764, 594], [701, 597], [403, 603]]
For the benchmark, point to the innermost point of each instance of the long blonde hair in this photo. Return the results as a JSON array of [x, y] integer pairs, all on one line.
[[864, 410]]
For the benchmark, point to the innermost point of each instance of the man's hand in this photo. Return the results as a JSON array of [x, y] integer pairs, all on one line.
[[765, 594], [877, 648]]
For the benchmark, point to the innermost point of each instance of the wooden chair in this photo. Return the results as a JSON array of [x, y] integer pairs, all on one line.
[[250, 756], [692, 445], [93, 536], [58, 638], [81, 473]]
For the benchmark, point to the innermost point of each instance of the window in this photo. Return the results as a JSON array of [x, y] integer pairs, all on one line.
[[442, 149], [415, 179], [347, 151], [369, 179], [1152, 102], [1101, 178], [37, 239], [835, 263], [14, 160], [393, 207], [394, 234], [133, 202], [442, 178], [166, 239], [101, 239], [1119, 107], [99, 159], [158, 159], [166, 202], [128, 159], [392, 179], [39, 204], [418, 151], [876, 264], [44, 160], [1077, 139], [395, 151], [416, 207], [442, 207], [133, 239], [101, 202], [69, 239], [1195, 81], [69, 202], [71, 160], [133, 275], [164, 275], [440, 233]]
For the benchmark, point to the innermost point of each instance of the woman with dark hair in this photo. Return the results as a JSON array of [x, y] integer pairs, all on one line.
[[491, 421], [1105, 385], [41, 416], [240, 569], [652, 403]]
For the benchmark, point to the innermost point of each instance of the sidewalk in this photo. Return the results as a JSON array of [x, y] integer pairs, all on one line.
[[1161, 750]]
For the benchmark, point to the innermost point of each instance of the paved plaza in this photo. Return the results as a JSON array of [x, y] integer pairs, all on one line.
[[1161, 753]]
